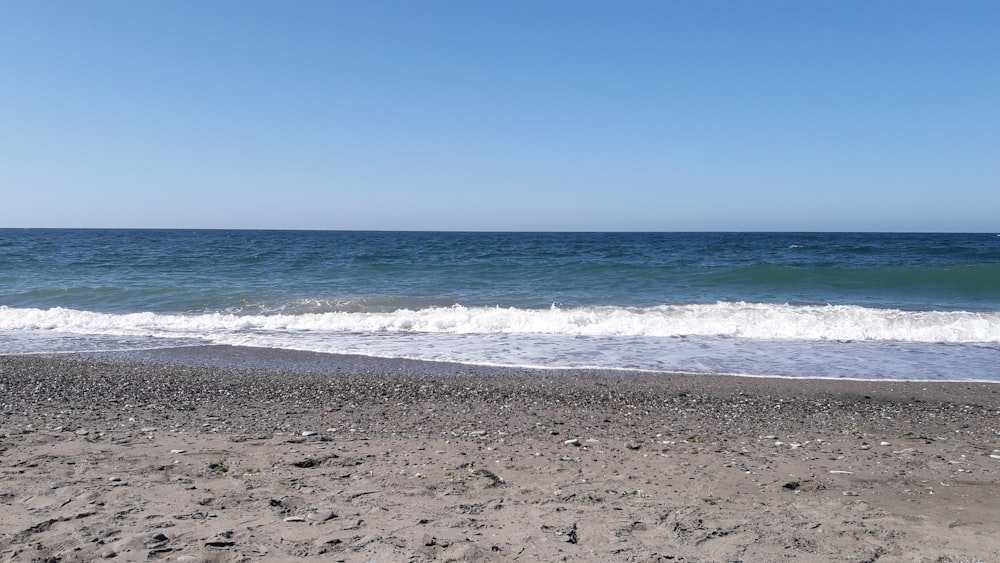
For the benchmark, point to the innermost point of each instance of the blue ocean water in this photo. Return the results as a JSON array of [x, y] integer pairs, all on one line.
[[841, 305]]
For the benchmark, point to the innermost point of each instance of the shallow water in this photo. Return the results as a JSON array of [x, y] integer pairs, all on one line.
[[870, 306]]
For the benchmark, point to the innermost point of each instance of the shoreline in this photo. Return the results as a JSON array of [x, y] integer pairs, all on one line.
[[231, 454], [228, 356]]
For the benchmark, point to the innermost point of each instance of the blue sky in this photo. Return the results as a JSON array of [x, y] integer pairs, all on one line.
[[501, 115]]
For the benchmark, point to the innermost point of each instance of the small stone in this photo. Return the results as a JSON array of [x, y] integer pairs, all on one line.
[[321, 515], [158, 543], [331, 541], [294, 519], [850, 494], [308, 433], [572, 536], [82, 432], [178, 451], [364, 541], [572, 442], [884, 444], [495, 480]]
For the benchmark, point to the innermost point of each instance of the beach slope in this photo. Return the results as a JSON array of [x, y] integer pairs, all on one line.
[[244, 456]]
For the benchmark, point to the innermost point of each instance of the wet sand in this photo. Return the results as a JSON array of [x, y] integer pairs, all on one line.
[[235, 454]]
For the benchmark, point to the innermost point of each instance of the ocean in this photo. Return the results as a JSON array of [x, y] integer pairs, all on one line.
[[803, 305]]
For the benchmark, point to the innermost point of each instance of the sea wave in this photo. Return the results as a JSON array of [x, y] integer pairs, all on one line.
[[725, 319]]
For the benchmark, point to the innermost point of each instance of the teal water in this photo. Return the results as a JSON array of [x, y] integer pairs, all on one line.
[[794, 304]]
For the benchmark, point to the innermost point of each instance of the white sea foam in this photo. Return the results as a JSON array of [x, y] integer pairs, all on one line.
[[744, 338], [727, 319]]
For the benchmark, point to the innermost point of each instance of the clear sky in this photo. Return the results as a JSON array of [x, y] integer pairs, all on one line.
[[501, 115]]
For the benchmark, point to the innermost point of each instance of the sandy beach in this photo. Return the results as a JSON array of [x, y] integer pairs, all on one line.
[[227, 454]]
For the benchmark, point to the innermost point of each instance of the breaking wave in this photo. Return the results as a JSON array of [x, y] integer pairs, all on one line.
[[725, 319]]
